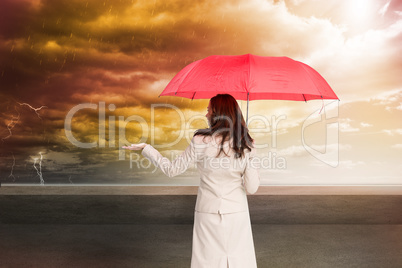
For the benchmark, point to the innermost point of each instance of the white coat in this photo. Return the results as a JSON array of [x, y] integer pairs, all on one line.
[[223, 180], [221, 200]]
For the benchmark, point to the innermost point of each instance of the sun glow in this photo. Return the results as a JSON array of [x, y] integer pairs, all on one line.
[[359, 13]]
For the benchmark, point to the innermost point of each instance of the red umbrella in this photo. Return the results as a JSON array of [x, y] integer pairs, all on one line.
[[249, 77]]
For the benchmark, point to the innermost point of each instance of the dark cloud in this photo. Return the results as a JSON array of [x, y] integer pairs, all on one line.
[[15, 18]]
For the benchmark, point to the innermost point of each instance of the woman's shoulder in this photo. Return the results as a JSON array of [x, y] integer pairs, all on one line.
[[209, 144], [198, 139], [201, 141]]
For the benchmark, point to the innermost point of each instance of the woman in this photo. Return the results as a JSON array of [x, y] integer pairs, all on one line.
[[225, 157]]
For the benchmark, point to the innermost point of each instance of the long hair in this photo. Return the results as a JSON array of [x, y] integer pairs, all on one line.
[[227, 121]]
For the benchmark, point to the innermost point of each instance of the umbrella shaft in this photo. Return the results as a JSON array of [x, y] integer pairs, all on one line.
[[247, 111]]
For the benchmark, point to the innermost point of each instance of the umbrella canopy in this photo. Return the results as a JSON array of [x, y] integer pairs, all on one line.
[[249, 77]]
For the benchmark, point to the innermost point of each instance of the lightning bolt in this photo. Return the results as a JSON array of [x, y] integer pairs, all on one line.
[[11, 125], [34, 109], [15, 119], [12, 169], [39, 171]]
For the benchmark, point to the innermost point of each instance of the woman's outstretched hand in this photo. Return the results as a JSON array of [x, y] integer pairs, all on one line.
[[137, 146]]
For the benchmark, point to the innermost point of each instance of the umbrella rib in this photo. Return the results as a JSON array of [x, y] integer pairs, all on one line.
[[304, 66], [305, 98], [249, 75], [193, 96]]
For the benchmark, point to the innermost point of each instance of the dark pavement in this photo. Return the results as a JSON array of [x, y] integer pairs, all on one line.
[[156, 230]]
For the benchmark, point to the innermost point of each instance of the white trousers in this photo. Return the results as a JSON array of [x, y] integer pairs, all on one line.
[[222, 241]]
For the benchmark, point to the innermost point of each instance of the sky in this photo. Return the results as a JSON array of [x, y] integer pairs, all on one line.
[[89, 73]]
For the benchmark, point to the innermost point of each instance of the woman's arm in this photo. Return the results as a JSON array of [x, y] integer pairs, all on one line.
[[171, 169], [251, 173]]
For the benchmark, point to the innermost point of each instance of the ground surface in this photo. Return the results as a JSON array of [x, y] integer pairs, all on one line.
[[134, 230]]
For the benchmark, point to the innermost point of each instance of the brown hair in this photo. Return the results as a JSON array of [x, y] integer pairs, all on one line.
[[228, 122]]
